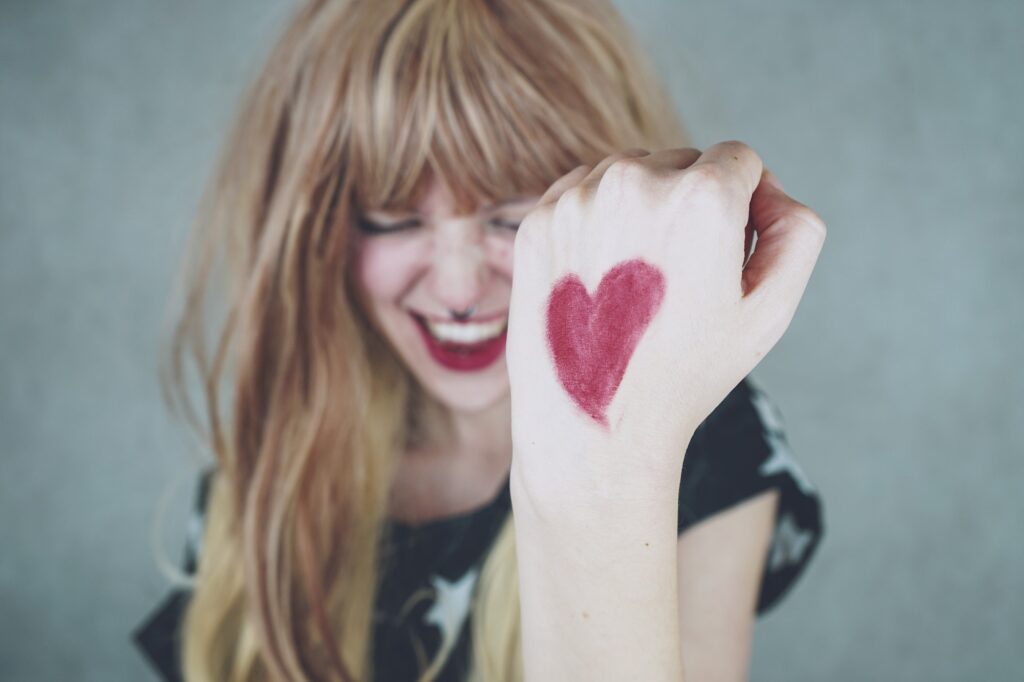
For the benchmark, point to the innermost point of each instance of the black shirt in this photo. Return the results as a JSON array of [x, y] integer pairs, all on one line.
[[739, 451]]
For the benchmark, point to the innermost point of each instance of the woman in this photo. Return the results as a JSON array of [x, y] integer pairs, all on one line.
[[357, 524]]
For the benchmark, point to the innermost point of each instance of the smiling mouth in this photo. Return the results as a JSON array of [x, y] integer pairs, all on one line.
[[463, 346], [466, 333]]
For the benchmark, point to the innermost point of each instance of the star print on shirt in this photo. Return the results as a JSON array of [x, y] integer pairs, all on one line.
[[790, 543], [451, 605], [782, 459]]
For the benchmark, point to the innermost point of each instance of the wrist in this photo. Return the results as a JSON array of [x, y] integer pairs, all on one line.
[[590, 495]]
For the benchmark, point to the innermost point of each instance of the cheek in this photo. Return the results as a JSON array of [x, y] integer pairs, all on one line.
[[384, 270]]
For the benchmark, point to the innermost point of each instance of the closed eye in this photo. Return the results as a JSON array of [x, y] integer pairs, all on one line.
[[371, 227], [508, 225]]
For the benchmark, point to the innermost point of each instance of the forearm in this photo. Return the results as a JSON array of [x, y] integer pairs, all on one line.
[[599, 588]]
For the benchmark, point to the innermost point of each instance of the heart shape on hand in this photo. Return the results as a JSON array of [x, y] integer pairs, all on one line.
[[593, 338]]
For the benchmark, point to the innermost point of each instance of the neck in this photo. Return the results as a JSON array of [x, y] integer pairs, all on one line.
[[483, 437]]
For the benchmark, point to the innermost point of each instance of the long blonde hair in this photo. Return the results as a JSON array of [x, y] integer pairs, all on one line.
[[306, 408]]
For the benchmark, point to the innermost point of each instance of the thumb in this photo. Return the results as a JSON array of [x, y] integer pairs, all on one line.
[[789, 239]]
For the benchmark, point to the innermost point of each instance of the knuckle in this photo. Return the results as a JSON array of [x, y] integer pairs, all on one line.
[[705, 183], [579, 171], [572, 200], [743, 155], [705, 175], [740, 149], [567, 180], [626, 170]]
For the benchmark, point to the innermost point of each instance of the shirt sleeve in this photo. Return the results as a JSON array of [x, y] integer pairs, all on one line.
[[738, 452], [158, 637]]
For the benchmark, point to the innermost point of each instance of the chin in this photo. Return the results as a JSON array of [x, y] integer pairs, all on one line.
[[468, 394]]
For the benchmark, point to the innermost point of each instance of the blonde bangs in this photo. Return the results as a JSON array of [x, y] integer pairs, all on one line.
[[495, 99]]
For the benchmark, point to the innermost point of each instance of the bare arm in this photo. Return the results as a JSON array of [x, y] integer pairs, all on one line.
[[721, 561]]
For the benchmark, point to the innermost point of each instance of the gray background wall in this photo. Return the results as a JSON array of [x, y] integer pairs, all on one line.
[[899, 380]]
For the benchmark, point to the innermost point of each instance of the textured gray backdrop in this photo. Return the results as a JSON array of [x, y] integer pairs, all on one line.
[[899, 377]]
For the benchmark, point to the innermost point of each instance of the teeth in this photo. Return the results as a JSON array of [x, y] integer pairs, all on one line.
[[468, 332]]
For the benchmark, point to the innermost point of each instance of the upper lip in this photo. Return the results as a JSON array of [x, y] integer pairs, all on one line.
[[450, 320]]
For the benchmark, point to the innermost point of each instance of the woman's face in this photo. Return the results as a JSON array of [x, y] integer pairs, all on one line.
[[417, 266]]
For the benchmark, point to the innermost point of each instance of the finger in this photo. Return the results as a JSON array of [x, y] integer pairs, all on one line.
[[589, 184], [559, 186], [733, 164], [789, 239]]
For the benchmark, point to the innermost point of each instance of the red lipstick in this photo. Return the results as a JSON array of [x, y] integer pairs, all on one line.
[[462, 357]]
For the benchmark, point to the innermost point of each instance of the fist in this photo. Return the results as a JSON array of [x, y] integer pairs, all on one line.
[[635, 308]]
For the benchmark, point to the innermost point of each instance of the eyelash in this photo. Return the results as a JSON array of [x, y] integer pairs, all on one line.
[[375, 228]]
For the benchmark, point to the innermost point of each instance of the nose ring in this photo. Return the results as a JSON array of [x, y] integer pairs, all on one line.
[[463, 315]]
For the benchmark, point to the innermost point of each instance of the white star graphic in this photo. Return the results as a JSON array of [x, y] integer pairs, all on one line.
[[782, 458], [790, 543], [770, 415], [451, 605]]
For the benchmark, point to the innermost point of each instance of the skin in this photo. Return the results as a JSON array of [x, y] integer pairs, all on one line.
[[445, 261]]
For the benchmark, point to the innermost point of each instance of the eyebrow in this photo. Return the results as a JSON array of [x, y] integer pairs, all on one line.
[[513, 200], [488, 207]]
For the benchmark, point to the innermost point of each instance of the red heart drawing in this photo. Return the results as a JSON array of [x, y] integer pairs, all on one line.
[[592, 339]]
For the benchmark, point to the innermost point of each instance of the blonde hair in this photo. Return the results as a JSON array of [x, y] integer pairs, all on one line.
[[356, 105]]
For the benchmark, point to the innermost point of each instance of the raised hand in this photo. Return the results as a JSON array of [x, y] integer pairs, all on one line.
[[635, 311]]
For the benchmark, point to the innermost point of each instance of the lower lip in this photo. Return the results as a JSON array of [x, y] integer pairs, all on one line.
[[463, 357]]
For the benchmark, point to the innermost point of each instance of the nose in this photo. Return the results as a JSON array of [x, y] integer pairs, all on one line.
[[459, 274]]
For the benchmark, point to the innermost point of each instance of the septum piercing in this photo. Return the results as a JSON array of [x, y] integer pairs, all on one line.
[[465, 314]]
